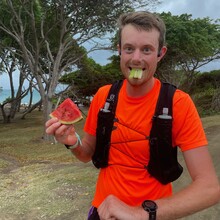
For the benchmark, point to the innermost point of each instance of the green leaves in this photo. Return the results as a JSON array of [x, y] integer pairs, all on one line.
[[192, 43]]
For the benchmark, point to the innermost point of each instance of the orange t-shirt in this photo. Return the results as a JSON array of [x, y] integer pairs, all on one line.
[[126, 177]]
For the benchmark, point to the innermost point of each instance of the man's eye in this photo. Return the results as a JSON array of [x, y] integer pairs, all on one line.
[[128, 49], [146, 50]]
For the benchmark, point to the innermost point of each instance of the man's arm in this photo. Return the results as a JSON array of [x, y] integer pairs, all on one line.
[[66, 134], [203, 192], [85, 151]]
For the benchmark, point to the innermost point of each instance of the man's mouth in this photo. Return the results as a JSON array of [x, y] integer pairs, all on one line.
[[136, 73]]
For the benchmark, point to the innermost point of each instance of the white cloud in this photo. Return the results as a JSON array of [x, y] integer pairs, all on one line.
[[198, 8]]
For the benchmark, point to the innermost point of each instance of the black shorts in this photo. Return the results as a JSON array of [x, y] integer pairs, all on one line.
[[93, 214]]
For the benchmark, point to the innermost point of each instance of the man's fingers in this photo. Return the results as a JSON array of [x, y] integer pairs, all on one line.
[[62, 133], [50, 122], [52, 125], [63, 130]]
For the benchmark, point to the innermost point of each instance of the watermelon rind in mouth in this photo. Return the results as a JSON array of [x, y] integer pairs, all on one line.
[[136, 73]]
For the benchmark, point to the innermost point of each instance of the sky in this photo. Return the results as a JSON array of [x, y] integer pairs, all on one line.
[[197, 8]]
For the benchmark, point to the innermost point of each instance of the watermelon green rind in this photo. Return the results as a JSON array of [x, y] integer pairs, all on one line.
[[67, 112], [136, 73], [66, 122]]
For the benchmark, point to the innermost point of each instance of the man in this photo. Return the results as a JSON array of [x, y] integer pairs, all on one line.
[[124, 185]]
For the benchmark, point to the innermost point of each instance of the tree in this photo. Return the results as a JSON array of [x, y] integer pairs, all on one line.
[[205, 92], [50, 34], [91, 76], [12, 64], [9, 63], [192, 43]]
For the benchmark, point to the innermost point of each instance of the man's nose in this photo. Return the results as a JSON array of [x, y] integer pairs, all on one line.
[[137, 56]]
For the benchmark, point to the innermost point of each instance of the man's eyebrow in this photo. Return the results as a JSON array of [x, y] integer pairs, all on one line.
[[128, 44], [149, 45]]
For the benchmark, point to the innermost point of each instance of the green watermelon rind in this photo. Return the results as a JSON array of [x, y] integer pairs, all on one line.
[[64, 110], [136, 73], [67, 122]]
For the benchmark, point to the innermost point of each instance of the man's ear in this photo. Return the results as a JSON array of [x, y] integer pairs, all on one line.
[[119, 49], [161, 53]]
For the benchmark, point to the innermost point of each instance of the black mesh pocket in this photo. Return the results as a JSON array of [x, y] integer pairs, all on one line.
[[103, 138], [163, 164]]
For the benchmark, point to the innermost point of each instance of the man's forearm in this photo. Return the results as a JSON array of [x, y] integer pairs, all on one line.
[[196, 197], [85, 149]]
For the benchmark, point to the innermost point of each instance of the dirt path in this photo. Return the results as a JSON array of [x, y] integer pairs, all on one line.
[[12, 163]]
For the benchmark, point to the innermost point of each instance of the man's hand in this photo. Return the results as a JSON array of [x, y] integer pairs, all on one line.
[[113, 208], [64, 134]]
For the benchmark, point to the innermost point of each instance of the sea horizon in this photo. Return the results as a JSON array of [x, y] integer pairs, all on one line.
[[6, 93]]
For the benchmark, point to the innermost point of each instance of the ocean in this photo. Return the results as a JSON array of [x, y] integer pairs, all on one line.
[[6, 93]]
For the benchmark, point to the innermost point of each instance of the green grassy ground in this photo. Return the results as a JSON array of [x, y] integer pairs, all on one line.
[[40, 180]]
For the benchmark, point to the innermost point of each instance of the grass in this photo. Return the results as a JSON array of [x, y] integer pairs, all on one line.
[[40, 180], [23, 140]]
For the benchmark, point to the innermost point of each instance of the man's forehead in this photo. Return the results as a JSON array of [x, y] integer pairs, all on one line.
[[132, 34]]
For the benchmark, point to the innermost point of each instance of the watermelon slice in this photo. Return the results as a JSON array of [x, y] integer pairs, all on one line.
[[67, 112]]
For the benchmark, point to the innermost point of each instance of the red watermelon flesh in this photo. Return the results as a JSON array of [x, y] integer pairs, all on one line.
[[67, 112]]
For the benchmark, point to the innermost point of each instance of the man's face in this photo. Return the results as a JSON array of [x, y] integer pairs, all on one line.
[[139, 51]]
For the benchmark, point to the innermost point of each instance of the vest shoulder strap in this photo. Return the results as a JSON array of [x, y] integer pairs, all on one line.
[[165, 99], [104, 128], [112, 97], [163, 163]]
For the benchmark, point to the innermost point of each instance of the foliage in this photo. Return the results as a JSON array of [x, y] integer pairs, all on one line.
[[206, 81], [91, 76], [203, 102], [192, 43], [205, 92], [114, 67], [48, 35]]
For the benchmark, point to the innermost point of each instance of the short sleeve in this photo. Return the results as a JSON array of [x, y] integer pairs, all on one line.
[[188, 132]]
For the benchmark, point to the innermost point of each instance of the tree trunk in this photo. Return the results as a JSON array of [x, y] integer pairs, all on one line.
[[30, 109], [5, 117], [47, 109]]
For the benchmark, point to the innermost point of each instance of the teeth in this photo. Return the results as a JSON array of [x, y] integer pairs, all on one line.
[[136, 73]]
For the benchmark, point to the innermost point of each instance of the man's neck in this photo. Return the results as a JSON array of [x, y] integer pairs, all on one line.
[[140, 90]]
